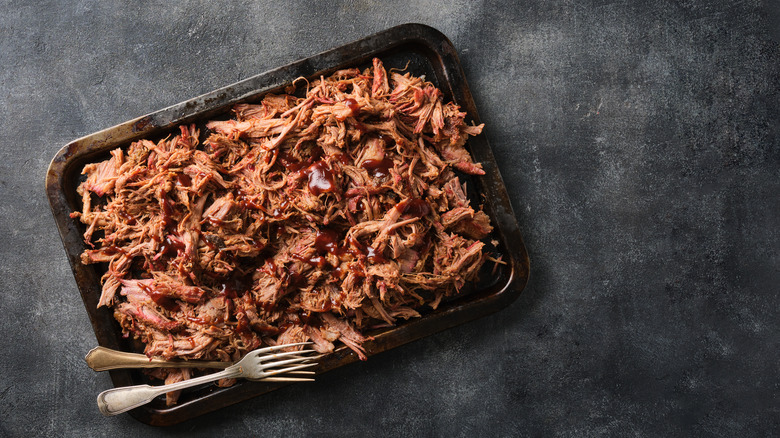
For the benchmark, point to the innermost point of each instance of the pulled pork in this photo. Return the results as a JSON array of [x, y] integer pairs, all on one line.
[[303, 218]]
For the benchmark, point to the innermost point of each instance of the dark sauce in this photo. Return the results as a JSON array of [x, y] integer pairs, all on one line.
[[299, 317], [112, 250], [162, 300], [305, 317], [296, 279], [320, 178], [228, 291], [167, 214], [328, 241], [294, 318], [388, 140], [356, 245], [183, 180], [236, 285], [374, 256], [368, 251], [171, 247], [258, 244], [327, 305], [379, 168], [127, 217], [267, 306], [338, 273], [316, 154], [414, 207], [243, 326], [268, 268], [279, 212], [290, 163], [353, 106], [325, 241], [247, 203]]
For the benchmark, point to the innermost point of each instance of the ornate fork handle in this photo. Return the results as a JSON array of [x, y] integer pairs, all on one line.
[[118, 400], [102, 359]]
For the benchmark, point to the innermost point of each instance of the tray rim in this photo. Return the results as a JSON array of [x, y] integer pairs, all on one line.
[[216, 101]]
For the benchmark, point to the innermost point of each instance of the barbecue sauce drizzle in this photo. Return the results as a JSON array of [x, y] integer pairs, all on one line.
[[327, 241], [162, 300], [320, 178]]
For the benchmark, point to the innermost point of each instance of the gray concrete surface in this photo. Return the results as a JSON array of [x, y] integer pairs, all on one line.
[[639, 143]]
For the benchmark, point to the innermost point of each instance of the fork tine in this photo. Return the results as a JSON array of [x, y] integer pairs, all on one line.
[[286, 370], [279, 347], [286, 379], [279, 363], [297, 373], [288, 353]]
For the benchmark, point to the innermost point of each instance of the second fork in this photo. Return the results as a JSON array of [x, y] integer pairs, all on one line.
[[254, 366]]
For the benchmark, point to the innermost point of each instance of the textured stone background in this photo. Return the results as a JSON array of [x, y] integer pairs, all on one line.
[[639, 143]]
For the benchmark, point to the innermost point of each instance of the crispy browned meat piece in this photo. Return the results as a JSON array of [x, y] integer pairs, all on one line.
[[304, 218]]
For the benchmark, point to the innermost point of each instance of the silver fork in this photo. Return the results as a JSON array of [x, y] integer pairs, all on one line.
[[103, 359], [255, 365]]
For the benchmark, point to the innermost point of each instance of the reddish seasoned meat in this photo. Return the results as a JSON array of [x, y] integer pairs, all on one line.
[[321, 344], [292, 335], [174, 376], [102, 176], [467, 222], [379, 86], [304, 218], [189, 345], [456, 215], [477, 228], [146, 314], [347, 334]]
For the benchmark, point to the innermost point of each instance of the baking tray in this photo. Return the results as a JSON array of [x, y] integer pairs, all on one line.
[[425, 51]]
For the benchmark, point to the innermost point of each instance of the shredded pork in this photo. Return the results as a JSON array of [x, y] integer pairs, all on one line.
[[302, 218]]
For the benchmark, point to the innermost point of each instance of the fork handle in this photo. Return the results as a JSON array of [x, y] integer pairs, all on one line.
[[117, 400], [102, 359]]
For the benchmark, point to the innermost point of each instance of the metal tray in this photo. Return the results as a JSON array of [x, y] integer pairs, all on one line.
[[427, 51]]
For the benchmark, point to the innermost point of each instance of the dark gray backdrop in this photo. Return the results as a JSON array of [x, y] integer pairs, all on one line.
[[639, 144]]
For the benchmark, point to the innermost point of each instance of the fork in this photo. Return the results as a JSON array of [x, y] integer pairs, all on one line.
[[103, 359], [255, 365]]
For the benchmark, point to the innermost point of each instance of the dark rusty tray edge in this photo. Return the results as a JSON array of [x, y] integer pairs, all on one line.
[[217, 100]]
